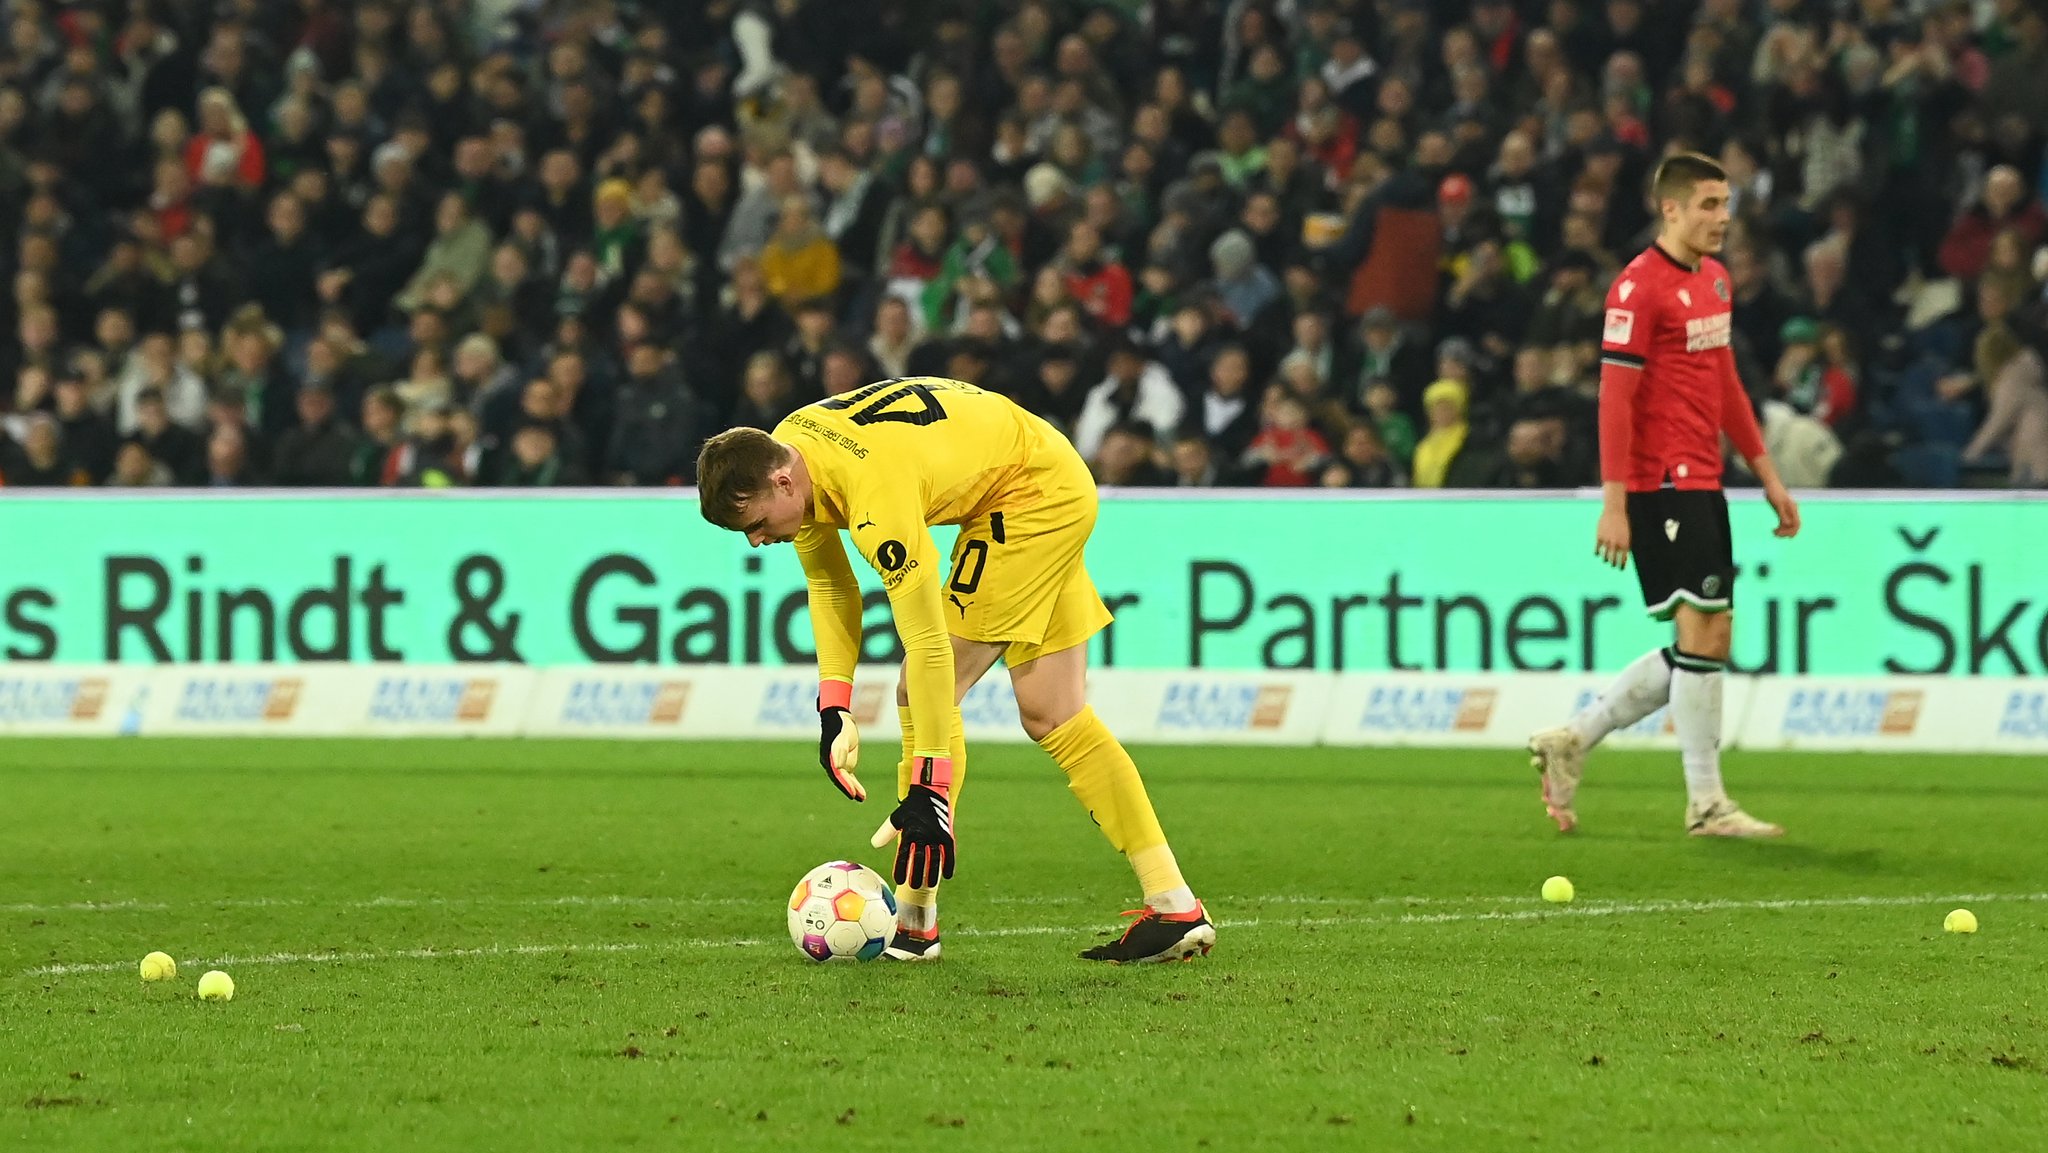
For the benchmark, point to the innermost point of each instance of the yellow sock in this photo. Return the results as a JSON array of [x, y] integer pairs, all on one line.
[[918, 909], [1105, 779]]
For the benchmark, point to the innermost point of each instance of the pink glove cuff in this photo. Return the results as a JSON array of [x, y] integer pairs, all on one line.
[[936, 773], [835, 695]]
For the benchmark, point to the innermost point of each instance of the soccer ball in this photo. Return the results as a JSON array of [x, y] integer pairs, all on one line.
[[842, 911]]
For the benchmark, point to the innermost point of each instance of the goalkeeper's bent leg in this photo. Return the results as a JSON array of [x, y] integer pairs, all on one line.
[[918, 909], [1106, 780]]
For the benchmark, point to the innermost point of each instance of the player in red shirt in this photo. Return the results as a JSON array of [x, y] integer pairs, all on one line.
[[1668, 392]]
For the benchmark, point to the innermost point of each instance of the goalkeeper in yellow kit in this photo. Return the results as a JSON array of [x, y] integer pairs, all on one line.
[[884, 463]]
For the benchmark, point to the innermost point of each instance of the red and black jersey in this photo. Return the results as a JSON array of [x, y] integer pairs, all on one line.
[[1668, 386]]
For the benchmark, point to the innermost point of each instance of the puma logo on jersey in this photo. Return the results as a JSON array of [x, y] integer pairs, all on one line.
[[1671, 530], [959, 604], [863, 524]]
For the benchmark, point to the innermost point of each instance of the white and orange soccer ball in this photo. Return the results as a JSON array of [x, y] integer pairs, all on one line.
[[842, 911]]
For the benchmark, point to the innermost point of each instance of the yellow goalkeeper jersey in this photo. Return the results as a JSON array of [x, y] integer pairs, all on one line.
[[887, 462]]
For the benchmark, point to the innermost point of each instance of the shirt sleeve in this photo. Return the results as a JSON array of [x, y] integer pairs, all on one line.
[[1738, 418], [1624, 350], [835, 601], [893, 537]]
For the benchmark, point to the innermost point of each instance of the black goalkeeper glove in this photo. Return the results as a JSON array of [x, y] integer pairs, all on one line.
[[922, 826]]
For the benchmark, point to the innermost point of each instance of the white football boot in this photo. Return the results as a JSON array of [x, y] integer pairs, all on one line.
[[1722, 817], [1560, 757]]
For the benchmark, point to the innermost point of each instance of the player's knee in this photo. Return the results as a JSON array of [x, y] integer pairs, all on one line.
[[1710, 637], [1041, 718]]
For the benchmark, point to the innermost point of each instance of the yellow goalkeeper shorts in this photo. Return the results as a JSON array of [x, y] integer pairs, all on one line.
[[1017, 576]]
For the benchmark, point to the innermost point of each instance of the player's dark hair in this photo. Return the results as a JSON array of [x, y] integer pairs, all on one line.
[[1680, 173], [732, 466]]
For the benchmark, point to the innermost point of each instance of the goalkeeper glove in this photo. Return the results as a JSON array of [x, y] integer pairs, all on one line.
[[922, 826], [839, 739]]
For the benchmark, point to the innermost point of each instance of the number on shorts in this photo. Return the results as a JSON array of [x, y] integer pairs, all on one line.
[[964, 581]]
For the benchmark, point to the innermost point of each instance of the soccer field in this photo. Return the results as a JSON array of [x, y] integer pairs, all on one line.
[[581, 945]]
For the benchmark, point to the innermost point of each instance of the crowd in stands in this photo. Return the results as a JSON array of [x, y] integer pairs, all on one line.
[[1286, 243]]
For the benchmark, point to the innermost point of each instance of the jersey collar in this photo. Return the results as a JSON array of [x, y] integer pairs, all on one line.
[[1675, 262]]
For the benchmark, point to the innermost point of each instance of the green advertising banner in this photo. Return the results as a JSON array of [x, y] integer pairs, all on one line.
[[1879, 585]]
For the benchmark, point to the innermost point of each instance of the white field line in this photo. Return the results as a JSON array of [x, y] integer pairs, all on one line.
[[1590, 909], [624, 901]]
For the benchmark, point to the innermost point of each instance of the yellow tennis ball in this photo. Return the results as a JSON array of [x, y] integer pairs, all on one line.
[[216, 986], [1558, 890], [159, 967], [1960, 921]]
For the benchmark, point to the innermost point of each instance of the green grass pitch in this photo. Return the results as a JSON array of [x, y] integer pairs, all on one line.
[[533, 945]]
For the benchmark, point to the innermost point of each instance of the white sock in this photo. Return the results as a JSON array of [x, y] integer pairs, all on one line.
[[1641, 689], [1696, 714], [1181, 900], [918, 909]]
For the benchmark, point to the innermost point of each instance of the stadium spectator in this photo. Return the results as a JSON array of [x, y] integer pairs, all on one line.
[[134, 467], [1286, 452], [799, 262], [1010, 189], [2018, 422], [1124, 458], [42, 461], [321, 449], [227, 458], [1137, 388], [1445, 402], [88, 437], [2003, 207]]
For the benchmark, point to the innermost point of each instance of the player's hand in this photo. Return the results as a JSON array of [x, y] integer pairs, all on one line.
[[1786, 508], [922, 826], [839, 751], [1610, 540]]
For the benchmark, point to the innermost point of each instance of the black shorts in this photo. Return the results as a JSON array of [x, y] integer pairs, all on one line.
[[1682, 549]]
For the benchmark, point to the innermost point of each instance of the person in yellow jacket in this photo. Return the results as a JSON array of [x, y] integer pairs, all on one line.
[[1445, 403], [799, 261], [882, 464]]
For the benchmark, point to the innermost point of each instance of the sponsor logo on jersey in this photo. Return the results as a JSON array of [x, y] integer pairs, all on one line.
[[2026, 716], [1853, 713], [1391, 709], [1703, 333], [1621, 326], [239, 700], [625, 703], [27, 700], [1209, 706], [433, 700], [891, 554], [827, 434]]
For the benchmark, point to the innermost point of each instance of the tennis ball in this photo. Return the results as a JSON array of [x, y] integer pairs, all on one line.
[[216, 986], [1558, 890], [159, 967], [1960, 921]]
